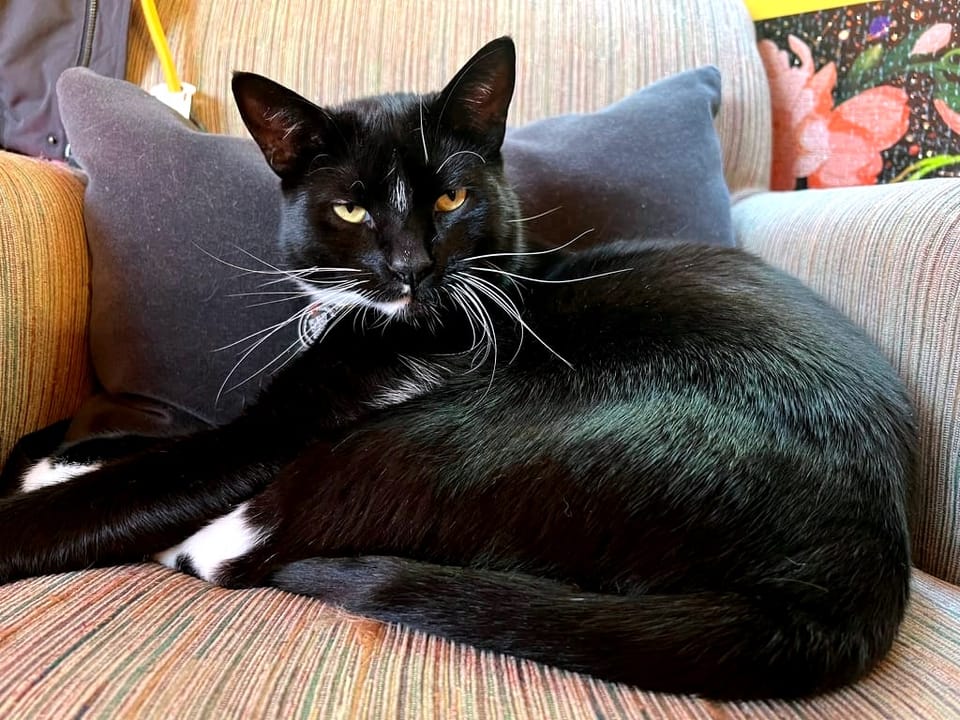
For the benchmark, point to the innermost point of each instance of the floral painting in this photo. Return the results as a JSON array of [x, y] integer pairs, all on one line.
[[865, 94]]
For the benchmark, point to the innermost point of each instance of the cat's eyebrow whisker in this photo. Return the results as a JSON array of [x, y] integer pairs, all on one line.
[[462, 152], [536, 217], [423, 135], [551, 282], [533, 252]]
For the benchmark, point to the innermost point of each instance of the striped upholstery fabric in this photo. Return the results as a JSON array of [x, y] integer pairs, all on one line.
[[573, 56], [142, 642], [888, 257], [44, 287]]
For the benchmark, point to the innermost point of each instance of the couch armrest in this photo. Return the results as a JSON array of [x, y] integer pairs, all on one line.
[[889, 257], [44, 296]]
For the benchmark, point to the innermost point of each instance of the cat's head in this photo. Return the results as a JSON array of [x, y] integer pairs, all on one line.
[[404, 193]]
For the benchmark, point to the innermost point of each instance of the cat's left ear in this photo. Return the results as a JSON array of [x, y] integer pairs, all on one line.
[[476, 101], [288, 128]]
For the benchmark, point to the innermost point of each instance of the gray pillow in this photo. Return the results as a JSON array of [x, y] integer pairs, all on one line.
[[181, 223]]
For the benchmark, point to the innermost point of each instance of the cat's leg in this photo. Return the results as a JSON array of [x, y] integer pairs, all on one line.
[[207, 552], [133, 508], [129, 509], [84, 456]]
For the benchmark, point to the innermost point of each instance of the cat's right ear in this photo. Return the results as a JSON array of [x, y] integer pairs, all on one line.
[[287, 127]]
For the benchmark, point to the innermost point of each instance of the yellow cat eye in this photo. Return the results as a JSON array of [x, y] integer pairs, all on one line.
[[350, 213], [450, 200]]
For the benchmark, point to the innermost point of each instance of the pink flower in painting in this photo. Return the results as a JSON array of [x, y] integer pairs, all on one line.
[[933, 40], [830, 146], [950, 116]]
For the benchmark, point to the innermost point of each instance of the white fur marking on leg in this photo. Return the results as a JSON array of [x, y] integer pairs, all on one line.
[[224, 539], [46, 473]]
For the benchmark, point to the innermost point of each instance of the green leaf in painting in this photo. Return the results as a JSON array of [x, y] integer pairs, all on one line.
[[858, 77]]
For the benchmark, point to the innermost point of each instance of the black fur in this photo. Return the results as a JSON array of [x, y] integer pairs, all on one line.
[[688, 475]]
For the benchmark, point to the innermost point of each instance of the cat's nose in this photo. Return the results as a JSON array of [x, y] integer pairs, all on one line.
[[411, 271]]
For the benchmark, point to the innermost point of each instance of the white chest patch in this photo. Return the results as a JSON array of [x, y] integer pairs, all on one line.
[[224, 539], [421, 378], [46, 473]]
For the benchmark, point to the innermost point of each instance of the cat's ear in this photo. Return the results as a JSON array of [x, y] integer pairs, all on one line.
[[476, 101], [287, 127]]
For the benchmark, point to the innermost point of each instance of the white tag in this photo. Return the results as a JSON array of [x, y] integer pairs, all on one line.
[[314, 321]]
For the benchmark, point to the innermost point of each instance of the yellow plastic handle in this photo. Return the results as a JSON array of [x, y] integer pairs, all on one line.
[[160, 45]]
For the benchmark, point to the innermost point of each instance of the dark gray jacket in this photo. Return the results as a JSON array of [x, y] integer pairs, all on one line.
[[39, 39]]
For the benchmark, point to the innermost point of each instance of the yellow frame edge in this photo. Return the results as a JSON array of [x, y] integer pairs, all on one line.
[[766, 9]]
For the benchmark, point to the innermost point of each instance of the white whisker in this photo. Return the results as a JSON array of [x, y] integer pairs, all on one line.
[[551, 282], [534, 252], [283, 352], [274, 329], [295, 293], [461, 152], [292, 274], [535, 217], [489, 332], [279, 300], [452, 291], [502, 300], [483, 338], [484, 287], [423, 136], [260, 332]]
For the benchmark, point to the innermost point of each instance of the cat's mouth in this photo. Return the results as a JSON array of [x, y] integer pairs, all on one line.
[[405, 303]]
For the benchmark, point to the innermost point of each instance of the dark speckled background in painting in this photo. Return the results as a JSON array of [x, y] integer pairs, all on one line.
[[840, 35]]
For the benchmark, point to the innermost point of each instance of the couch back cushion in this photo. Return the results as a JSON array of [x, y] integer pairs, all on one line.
[[576, 56]]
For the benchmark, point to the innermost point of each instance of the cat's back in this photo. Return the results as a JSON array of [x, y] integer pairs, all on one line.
[[695, 336], [665, 301]]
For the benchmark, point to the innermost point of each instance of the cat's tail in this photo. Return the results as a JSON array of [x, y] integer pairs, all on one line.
[[724, 645]]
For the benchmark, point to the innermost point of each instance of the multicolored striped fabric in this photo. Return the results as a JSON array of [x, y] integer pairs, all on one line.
[[143, 642], [44, 290], [573, 56], [888, 257]]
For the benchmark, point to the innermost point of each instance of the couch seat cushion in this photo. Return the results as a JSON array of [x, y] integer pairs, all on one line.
[[142, 641]]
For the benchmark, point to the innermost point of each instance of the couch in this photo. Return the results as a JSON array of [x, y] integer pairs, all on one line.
[[141, 641]]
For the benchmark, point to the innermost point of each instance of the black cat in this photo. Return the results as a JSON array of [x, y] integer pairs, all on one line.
[[662, 464]]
